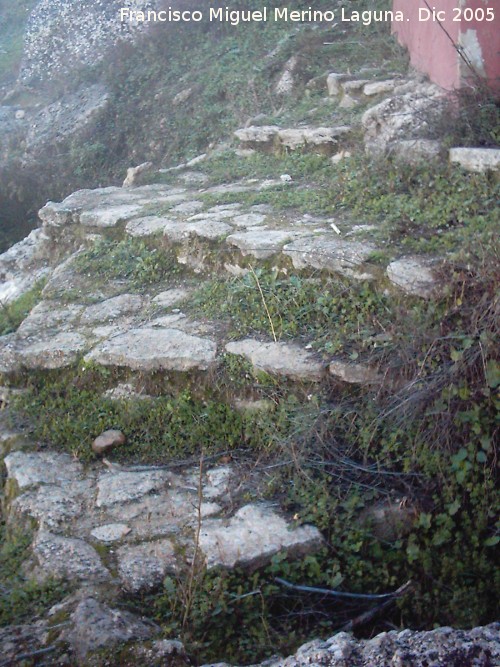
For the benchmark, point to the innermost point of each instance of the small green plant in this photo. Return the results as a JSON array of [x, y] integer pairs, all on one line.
[[333, 314], [14, 312], [129, 260], [21, 597]]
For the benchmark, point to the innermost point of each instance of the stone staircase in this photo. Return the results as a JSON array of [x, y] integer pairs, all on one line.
[[115, 527], [151, 330]]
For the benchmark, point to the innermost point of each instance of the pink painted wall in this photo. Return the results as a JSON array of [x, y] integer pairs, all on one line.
[[431, 49]]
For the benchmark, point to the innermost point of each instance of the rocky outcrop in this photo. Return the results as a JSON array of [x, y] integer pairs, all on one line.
[[443, 647], [89, 32]]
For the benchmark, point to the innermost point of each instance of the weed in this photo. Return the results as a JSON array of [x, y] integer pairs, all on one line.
[[333, 315], [21, 597], [128, 259], [13, 313]]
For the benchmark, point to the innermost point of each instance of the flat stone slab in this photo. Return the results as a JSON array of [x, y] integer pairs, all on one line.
[[112, 309], [124, 487], [47, 315], [476, 159], [414, 275], [207, 229], [143, 567], [147, 226], [354, 373], [248, 220], [34, 468], [252, 536], [255, 134], [58, 351], [51, 505], [149, 349], [95, 626], [111, 532], [68, 558], [109, 217], [261, 243], [331, 254], [188, 207], [170, 297], [279, 359]]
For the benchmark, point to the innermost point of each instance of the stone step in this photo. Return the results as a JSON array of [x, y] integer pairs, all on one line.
[[141, 518]]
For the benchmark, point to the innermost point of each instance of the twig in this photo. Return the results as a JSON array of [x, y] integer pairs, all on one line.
[[342, 594], [264, 303], [194, 564], [367, 616]]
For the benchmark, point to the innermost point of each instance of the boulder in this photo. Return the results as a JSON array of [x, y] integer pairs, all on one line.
[[96, 626], [285, 359], [136, 174], [107, 441], [252, 536], [476, 159], [415, 276], [142, 567]]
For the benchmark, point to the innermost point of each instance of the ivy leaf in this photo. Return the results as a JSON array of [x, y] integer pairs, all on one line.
[[492, 541]]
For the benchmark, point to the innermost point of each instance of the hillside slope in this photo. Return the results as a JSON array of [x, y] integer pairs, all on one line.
[[264, 368]]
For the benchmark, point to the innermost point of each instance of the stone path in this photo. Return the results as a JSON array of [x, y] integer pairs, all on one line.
[[145, 332], [128, 527]]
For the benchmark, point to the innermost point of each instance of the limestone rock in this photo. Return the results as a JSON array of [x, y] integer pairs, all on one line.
[[258, 136], [354, 373], [23, 264], [285, 359], [143, 567], [476, 159], [125, 487], [354, 86], [261, 243], [415, 151], [111, 532], [286, 80], [107, 441], [68, 558], [182, 96], [252, 536], [408, 114], [33, 468], [170, 297], [134, 174], [112, 309], [109, 216], [331, 254], [57, 351], [207, 229], [9, 362], [154, 349], [248, 220], [147, 226], [379, 87], [95, 626], [444, 646], [333, 82], [414, 275], [165, 652], [188, 207], [51, 505]]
